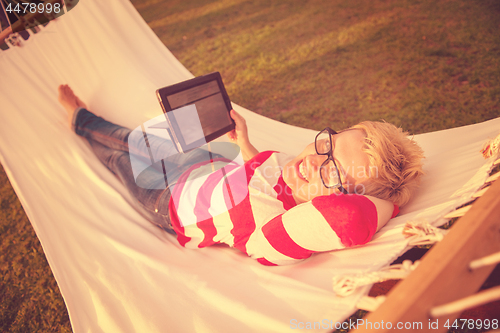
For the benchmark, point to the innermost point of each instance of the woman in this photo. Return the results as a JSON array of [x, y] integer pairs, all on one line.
[[275, 208]]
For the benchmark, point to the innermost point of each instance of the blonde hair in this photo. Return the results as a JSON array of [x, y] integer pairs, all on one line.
[[397, 161]]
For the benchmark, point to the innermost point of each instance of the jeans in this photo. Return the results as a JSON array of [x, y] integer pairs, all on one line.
[[151, 188]]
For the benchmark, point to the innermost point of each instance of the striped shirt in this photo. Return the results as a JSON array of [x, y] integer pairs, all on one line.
[[249, 207]]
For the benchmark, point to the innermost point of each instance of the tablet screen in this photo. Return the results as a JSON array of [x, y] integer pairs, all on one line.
[[208, 100], [197, 110]]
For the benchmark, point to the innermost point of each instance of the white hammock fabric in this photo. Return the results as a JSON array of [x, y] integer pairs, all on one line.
[[119, 273]]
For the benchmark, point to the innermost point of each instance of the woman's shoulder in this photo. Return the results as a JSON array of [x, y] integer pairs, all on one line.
[[380, 202], [362, 204], [385, 210]]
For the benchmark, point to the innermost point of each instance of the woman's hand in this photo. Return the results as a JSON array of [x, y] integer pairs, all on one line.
[[240, 136]]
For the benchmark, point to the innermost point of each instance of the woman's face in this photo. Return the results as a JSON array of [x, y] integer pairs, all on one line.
[[302, 174]]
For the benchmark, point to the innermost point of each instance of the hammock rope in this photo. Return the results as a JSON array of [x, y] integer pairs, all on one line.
[[346, 285]]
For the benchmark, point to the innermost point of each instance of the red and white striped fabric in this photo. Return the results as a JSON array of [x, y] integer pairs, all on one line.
[[252, 209]]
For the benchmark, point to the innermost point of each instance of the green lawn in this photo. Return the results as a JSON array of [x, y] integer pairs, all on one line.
[[424, 65]]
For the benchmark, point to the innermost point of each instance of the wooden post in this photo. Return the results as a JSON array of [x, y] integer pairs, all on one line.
[[4, 34], [443, 275]]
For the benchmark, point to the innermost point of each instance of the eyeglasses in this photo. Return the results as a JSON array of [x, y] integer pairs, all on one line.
[[329, 172]]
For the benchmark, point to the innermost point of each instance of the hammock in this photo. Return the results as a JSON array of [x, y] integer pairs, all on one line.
[[119, 273]]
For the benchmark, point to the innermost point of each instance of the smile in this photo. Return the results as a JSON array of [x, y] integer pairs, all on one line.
[[303, 171]]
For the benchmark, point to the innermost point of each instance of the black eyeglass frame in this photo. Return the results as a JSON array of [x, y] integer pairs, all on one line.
[[330, 158]]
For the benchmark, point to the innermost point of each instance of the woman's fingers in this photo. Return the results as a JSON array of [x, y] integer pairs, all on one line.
[[232, 135], [240, 133], [241, 124], [239, 120], [234, 115]]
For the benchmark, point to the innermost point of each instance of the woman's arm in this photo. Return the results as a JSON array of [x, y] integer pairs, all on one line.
[[240, 136], [323, 224]]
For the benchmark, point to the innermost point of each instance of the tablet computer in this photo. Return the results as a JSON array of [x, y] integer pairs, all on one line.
[[196, 110]]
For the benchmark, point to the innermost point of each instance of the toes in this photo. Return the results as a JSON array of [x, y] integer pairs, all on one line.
[[68, 98], [65, 92], [60, 90]]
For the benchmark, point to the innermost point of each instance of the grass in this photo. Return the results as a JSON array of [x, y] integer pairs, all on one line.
[[31, 301], [424, 65]]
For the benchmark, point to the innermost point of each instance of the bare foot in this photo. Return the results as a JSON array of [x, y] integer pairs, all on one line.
[[69, 101]]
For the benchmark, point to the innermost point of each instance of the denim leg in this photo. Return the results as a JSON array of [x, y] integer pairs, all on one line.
[[152, 185], [95, 128], [110, 144]]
